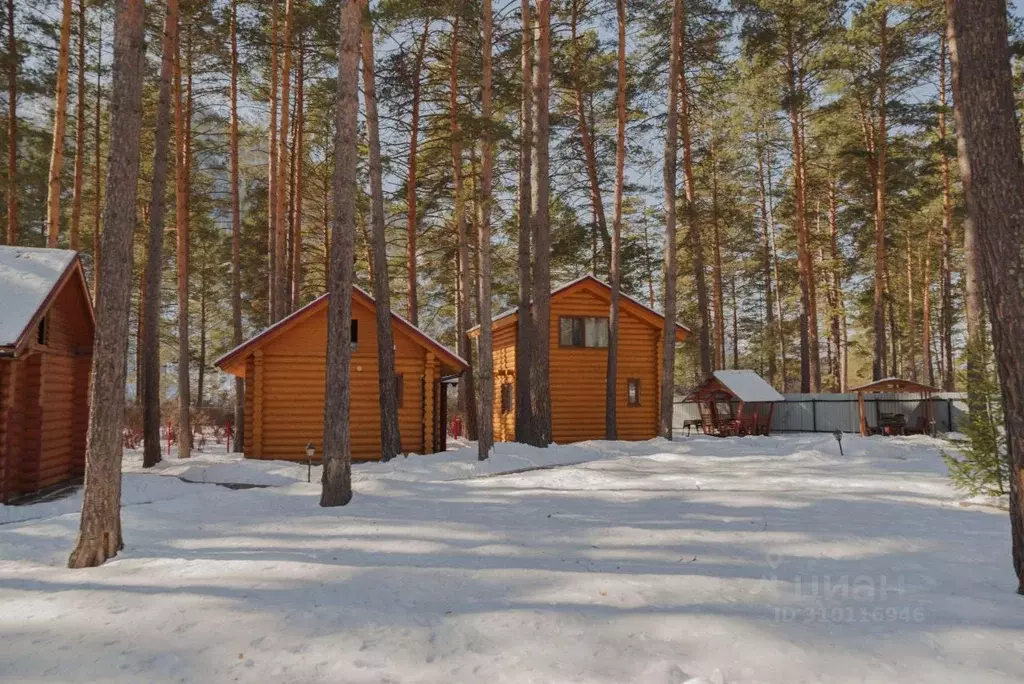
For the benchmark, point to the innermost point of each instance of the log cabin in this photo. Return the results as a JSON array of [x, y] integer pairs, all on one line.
[[46, 338], [285, 369], [578, 333]]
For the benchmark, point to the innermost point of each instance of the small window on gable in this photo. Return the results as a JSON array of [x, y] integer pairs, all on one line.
[[506, 398], [43, 336], [400, 389], [633, 392], [355, 333]]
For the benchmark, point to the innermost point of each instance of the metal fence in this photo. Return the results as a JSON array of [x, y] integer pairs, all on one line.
[[830, 412]]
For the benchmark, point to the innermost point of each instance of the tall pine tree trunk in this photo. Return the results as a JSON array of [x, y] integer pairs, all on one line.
[[181, 195], [12, 128], [693, 225], [236, 236], [946, 305], [273, 307], [993, 176], [668, 337], [467, 401], [810, 374], [769, 311], [524, 417], [76, 194], [412, 224], [587, 139], [99, 535], [390, 440], [97, 175], [298, 167], [337, 446], [838, 314], [485, 362], [155, 246], [881, 139], [281, 295], [718, 293], [60, 120], [611, 382], [541, 196]]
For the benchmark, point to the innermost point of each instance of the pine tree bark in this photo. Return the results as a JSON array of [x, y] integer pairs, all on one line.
[[99, 535], [810, 372], [992, 170], [485, 362], [412, 224], [946, 305], [391, 443], [690, 190], [97, 175], [541, 196], [838, 313], [466, 385], [76, 194], [611, 382], [182, 243], [668, 337], [337, 449], [881, 139], [12, 127], [236, 236], [272, 176], [281, 295], [298, 166], [524, 418], [769, 312], [587, 139], [155, 246], [60, 120], [718, 294]]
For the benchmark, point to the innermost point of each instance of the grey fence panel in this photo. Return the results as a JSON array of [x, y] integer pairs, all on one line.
[[830, 412]]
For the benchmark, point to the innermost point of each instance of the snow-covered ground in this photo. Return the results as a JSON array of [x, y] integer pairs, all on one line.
[[718, 560]]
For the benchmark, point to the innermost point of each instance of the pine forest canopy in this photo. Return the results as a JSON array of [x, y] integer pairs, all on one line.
[[820, 214]]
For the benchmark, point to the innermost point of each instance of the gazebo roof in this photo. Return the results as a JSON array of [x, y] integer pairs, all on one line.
[[895, 385], [745, 385]]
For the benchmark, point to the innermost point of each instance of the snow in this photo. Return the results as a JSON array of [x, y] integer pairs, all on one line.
[[27, 275], [748, 385], [704, 560]]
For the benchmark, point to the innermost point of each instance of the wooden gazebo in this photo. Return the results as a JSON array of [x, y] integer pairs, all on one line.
[[735, 402], [896, 423]]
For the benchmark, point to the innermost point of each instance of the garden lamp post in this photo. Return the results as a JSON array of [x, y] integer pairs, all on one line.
[[838, 434], [310, 450]]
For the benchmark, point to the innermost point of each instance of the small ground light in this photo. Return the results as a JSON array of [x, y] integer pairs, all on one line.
[[839, 438], [310, 451]]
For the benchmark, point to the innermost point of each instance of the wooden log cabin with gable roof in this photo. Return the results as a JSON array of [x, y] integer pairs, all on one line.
[[46, 338], [578, 330], [285, 373]]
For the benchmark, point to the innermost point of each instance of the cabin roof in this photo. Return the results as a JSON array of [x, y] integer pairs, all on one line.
[[603, 289], [30, 279], [746, 385], [230, 360], [895, 385]]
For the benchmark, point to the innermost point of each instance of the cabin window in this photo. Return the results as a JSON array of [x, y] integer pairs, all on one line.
[[583, 331], [355, 333], [43, 333], [506, 398], [400, 389], [633, 392]]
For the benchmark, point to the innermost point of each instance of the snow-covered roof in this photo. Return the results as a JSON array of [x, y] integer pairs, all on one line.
[[28, 276], [747, 385]]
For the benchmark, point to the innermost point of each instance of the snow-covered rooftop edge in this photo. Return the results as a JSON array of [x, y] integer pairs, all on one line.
[[27, 277]]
